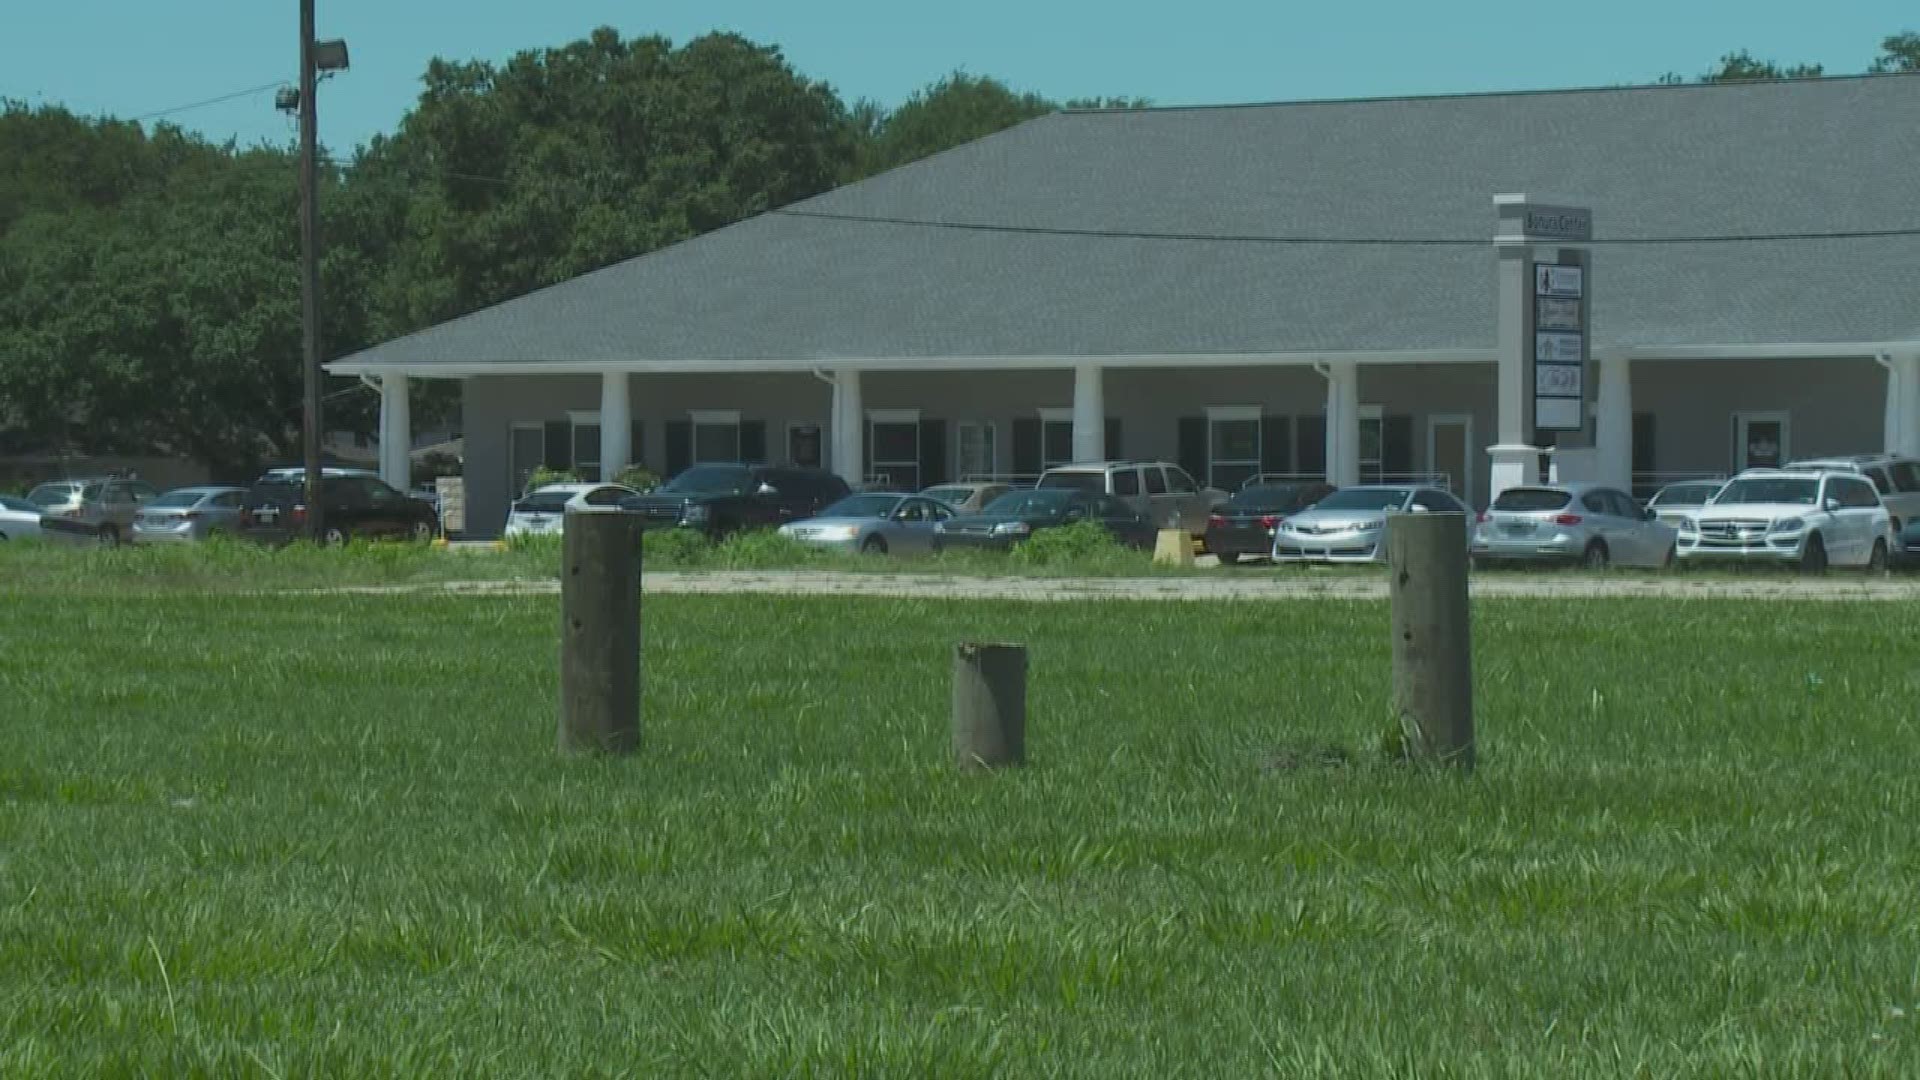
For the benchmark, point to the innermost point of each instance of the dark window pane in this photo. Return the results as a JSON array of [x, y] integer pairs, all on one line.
[[896, 442]]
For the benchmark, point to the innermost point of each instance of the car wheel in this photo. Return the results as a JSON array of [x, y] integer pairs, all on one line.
[[108, 536], [874, 545], [423, 530], [1229, 558], [1814, 558], [1595, 557], [334, 536], [1877, 562]]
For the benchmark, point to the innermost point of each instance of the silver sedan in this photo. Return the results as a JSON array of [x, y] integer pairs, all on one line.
[[873, 523], [1589, 524], [1350, 525], [188, 514]]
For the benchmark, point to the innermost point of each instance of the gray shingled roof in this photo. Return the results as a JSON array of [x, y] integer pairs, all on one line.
[[1772, 158]]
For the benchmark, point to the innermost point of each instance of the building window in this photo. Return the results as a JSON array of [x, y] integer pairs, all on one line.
[[1372, 445], [975, 449], [526, 451], [1233, 446], [585, 444], [1056, 437], [896, 448], [716, 437]]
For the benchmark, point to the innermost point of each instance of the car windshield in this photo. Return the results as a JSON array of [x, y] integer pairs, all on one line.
[[1769, 489], [174, 500], [863, 506], [1268, 497], [1037, 502], [1531, 500], [544, 502], [1684, 495], [710, 480], [952, 496], [61, 494], [1364, 499], [1074, 481], [18, 505]]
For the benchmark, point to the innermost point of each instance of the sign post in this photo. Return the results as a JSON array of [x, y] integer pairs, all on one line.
[[1543, 341]]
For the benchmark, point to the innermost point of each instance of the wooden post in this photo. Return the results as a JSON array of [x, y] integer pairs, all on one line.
[[1432, 635], [989, 705], [1173, 547], [600, 632]]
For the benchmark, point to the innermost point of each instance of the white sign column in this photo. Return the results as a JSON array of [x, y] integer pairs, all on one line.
[[1543, 333], [849, 429], [1089, 414], [396, 432], [616, 424], [1343, 422]]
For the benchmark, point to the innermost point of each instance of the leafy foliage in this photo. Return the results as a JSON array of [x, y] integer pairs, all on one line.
[[1080, 542]]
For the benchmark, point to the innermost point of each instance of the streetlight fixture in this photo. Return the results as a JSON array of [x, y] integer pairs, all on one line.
[[315, 57]]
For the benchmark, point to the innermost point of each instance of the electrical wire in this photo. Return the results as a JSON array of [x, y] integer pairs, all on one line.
[[249, 91]]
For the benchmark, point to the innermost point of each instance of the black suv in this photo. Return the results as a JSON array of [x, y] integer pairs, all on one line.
[[719, 500], [357, 507]]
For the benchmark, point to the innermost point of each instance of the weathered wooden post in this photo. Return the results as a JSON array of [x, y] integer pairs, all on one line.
[[1432, 635], [600, 631], [989, 705]]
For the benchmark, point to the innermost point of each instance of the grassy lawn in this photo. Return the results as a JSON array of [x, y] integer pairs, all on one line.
[[256, 836]]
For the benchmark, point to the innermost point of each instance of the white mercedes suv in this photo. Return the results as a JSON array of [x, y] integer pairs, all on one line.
[[1811, 518]]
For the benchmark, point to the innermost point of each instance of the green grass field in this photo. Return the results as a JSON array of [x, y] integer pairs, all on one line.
[[330, 836]]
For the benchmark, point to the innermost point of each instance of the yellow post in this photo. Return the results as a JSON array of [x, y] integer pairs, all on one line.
[[1173, 547]]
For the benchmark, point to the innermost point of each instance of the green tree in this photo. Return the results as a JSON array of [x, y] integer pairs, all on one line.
[[1742, 67], [1899, 52]]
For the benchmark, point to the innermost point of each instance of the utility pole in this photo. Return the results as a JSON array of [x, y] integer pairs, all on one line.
[[310, 276]]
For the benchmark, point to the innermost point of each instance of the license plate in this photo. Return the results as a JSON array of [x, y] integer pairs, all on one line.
[[1520, 528], [266, 513]]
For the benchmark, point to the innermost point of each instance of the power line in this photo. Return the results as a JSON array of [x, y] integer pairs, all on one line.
[[1356, 241], [261, 89]]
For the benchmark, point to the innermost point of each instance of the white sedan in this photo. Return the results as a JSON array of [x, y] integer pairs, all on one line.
[[18, 518], [543, 511]]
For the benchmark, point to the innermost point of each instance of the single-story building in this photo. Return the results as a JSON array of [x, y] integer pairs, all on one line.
[[1211, 285]]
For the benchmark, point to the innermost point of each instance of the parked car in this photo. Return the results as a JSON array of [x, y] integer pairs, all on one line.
[[721, 499], [298, 473], [968, 496], [1908, 549], [1895, 477], [1678, 501], [1589, 524], [1244, 525], [99, 508], [355, 508], [1019, 514], [1350, 525], [19, 519], [544, 510], [1161, 491], [1811, 518], [189, 514], [874, 523]]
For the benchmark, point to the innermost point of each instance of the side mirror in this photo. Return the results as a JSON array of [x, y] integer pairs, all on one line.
[[766, 489], [1651, 514], [1418, 508], [1832, 505]]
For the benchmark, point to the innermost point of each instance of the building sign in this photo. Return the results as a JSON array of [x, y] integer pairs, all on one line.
[[1562, 223], [1559, 335]]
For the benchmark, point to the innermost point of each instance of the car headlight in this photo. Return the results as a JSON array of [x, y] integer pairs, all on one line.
[[696, 513], [1370, 526], [838, 532], [1792, 524], [1012, 528]]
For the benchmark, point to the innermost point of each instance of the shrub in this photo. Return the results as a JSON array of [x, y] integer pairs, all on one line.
[[765, 551], [1080, 542], [543, 476], [674, 548], [638, 477]]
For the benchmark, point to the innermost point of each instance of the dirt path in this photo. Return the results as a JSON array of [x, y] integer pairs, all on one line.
[[1302, 586]]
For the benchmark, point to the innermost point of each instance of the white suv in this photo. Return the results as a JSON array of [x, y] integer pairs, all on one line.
[[1808, 517], [1896, 478]]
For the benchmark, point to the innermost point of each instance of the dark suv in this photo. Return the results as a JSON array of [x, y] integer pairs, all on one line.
[[719, 500], [357, 507]]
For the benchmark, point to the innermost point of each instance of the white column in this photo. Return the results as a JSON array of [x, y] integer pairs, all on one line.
[[396, 433], [849, 429], [1613, 422], [1089, 414], [1343, 423], [1902, 426], [616, 424]]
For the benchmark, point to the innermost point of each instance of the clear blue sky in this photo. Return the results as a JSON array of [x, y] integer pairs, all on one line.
[[129, 57]]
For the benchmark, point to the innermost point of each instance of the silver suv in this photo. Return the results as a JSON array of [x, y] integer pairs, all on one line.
[[1896, 478], [100, 508], [1160, 490]]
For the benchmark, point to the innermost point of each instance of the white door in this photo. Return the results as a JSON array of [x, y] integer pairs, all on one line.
[[1760, 440]]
